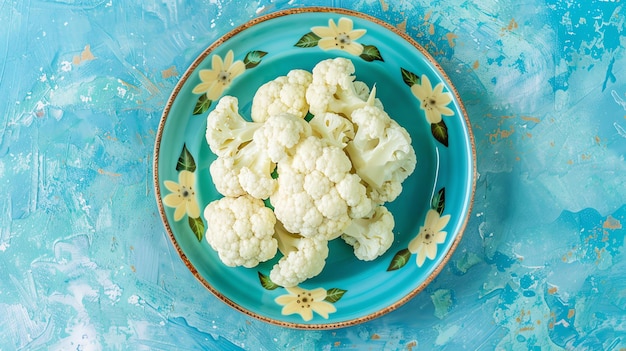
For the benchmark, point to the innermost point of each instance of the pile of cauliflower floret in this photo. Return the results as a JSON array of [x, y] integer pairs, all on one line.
[[292, 186]]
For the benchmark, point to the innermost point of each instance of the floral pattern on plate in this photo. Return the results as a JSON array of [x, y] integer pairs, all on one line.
[[304, 302], [431, 233], [183, 194], [434, 102], [340, 36], [217, 79]]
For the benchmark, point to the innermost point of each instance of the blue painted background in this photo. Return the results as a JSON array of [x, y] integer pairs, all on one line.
[[85, 263]]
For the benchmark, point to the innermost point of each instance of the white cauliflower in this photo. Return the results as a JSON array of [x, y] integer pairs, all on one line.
[[332, 88], [227, 131], [326, 178], [243, 165], [381, 153], [370, 236], [312, 197], [283, 94], [241, 230], [303, 257], [247, 172], [332, 128], [280, 133]]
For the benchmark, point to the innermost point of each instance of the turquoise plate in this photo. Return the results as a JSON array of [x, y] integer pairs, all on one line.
[[430, 214]]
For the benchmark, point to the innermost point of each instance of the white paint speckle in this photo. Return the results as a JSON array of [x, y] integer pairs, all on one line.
[[55, 113], [134, 300], [113, 292], [40, 105], [66, 66], [121, 92], [21, 162]]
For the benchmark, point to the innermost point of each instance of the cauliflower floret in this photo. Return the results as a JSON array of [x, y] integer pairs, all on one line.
[[372, 236], [225, 176], [241, 230], [332, 88], [251, 167], [303, 257], [280, 133], [227, 131], [351, 189], [308, 199], [283, 94], [248, 152], [381, 153], [332, 128]]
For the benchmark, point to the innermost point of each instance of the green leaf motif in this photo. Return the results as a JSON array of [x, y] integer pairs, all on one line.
[[253, 58], [409, 77], [399, 260], [439, 201], [267, 283], [333, 295], [202, 105], [268, 204], [197, 227], [370, 53], [308, 40], [185, 161], [309, 116], [440, 132]]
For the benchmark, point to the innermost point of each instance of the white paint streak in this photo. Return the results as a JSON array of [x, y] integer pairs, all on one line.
[[618, 99], [111, 290], [620, 130], [105, 218], [445, 335]]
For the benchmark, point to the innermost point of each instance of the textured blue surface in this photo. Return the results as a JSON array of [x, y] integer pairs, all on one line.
[[86, 264]]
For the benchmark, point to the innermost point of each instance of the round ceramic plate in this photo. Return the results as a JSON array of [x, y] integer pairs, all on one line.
[[430, 214]]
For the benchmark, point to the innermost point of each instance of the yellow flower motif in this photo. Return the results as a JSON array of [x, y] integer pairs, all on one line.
[[433, 102], [183, 196], [431, 234], [340, 36], [219, 77], [305, 302]]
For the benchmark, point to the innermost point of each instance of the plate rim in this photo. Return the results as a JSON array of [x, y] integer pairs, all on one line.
[[192, 68]]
